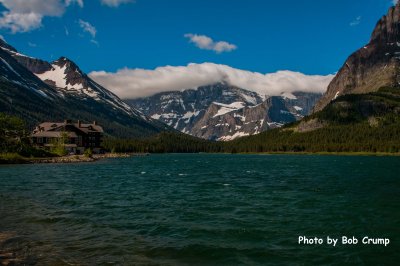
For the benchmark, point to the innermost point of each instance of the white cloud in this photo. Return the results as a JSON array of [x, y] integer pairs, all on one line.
[[27, 15], [70, 2], [135, 83], [87, 27], [95, 42], [31, 44], [17, 22], [206, 43], [46, 8], [23, 15], [356, 21], [115, 3]]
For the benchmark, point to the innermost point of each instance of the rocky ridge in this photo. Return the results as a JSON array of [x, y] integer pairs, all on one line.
[[372, 67]]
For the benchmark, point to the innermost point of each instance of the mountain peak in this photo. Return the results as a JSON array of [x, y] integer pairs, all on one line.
[[64, 61], [6, 46], [387, 28], [66, 76], [373, 66]]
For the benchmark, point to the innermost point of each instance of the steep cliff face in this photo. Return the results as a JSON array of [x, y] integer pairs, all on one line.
[[183, 109], [224, 112], [373, 66], [227, 122]]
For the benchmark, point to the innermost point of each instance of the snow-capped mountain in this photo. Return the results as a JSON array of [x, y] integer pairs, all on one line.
[[224, 112], [66, 76], [39, 90]]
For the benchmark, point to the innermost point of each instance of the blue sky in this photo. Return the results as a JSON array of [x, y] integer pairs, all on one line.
[[312, 37]]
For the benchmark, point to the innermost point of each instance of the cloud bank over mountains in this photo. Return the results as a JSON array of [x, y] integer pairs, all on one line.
[[136, 83]]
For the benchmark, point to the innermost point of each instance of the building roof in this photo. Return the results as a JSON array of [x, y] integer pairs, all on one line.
[[57, 127], [54, 134], [89, 127]]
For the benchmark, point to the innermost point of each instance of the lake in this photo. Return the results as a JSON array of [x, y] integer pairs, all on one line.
[[203, 209]]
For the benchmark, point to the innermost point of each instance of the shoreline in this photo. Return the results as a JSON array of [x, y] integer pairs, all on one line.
[[327, 153], [83, 159], [17, 159]]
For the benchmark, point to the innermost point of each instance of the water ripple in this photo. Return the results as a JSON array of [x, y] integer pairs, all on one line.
[[202, 209]]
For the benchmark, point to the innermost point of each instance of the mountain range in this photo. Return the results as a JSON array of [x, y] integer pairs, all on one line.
[[38, 90], [225, 112]]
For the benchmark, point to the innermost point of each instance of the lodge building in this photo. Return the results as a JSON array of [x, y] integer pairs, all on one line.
[[78, 136]]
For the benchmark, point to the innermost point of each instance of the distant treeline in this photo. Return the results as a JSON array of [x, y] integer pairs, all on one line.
[[165, 142], [350, 138]]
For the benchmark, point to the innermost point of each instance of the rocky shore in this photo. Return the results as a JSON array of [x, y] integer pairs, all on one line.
[[17, 159], [64, 159], [83, 158], [15, 250]]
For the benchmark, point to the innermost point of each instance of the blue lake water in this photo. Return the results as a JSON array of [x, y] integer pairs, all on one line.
[[204, 209]]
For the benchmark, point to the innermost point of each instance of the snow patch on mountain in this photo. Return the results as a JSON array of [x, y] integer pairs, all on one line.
[[156, 116], [234, 136], [59, 77], [288, 95], [190, 114], [226, 108], [249, 99]]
